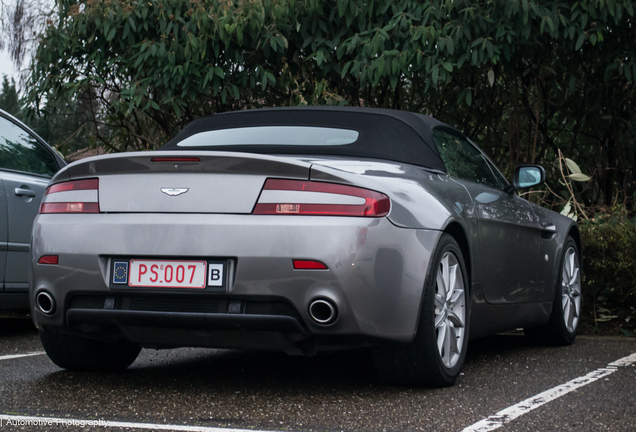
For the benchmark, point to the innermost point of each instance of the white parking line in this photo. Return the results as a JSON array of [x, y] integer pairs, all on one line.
[[489, 424], [14, 420], [13, 356], [509, 414], [625, 361]]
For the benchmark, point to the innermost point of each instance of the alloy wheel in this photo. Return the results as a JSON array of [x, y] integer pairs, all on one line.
[[450, 309], [571, 290]]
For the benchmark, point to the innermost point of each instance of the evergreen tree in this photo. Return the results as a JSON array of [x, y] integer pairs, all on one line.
[[9, 100]]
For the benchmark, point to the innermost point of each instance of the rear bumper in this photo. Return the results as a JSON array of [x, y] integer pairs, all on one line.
[[175, 329], [375, 278]]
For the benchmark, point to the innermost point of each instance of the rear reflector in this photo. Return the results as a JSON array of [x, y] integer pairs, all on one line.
[[48, 259], [309, 265], [72, 207], [298, 197], [175, 159], [78, 196]]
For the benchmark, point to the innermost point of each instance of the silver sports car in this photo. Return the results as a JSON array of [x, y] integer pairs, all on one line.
[[302, 230]]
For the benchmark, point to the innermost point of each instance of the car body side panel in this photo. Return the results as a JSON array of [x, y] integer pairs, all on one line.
[[556, 229], [425, 199], [375, 277], [419, 200], [510, 238], [22, 210], [3, 232], [488, 318]]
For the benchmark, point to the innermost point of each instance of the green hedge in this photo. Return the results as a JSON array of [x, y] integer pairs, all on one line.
[[609, 252]]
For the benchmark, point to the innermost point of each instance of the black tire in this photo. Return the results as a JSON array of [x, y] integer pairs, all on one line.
[[556, 331], [420, 363], [81, 354]]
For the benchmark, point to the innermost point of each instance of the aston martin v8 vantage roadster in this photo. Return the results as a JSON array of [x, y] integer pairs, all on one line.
[[301, 230]]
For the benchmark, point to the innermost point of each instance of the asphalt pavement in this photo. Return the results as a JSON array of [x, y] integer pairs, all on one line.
[[507, 384]]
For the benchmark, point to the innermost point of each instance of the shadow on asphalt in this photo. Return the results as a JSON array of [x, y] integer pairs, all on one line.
[[500, 344], [235, 369], [231, 370], [16, 325]]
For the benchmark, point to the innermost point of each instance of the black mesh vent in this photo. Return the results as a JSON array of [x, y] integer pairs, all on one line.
[[271, 308], [89, 328], [88, 302], [194, 304]]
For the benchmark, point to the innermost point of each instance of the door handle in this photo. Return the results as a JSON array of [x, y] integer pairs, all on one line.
[[24, 192], [548, 226]]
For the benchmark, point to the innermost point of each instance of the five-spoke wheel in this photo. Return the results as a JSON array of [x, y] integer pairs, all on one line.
[[571, 289], [450, 309]]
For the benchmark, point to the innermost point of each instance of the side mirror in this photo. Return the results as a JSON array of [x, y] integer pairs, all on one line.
[[527, 176]]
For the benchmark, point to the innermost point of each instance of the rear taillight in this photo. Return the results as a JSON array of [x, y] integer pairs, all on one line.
[[78, 196], [298, 197]]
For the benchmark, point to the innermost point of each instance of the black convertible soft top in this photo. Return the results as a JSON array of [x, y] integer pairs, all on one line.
[[394, 135]]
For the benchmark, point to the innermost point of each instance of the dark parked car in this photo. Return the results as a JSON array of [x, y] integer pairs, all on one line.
[[27, 164], [301, 230]]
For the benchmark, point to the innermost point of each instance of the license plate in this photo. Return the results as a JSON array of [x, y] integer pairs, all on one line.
[[170, 274]]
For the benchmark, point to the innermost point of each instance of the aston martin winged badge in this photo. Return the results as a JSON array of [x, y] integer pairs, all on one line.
[[174, 191]]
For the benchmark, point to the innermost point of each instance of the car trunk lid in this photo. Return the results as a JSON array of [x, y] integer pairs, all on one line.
[[184, 182]]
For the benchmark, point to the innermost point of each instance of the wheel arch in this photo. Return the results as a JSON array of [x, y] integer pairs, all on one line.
[[456, 230], [576, 236]]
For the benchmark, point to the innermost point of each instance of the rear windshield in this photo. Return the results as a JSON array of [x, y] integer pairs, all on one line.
[[272, 135], [398, 136]]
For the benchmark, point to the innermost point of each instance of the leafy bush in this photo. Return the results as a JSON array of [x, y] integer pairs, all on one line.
[[523, 79], [609, 252]]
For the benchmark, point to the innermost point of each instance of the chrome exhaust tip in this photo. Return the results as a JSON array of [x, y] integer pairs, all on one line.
[[45, 303], [323, 311]]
